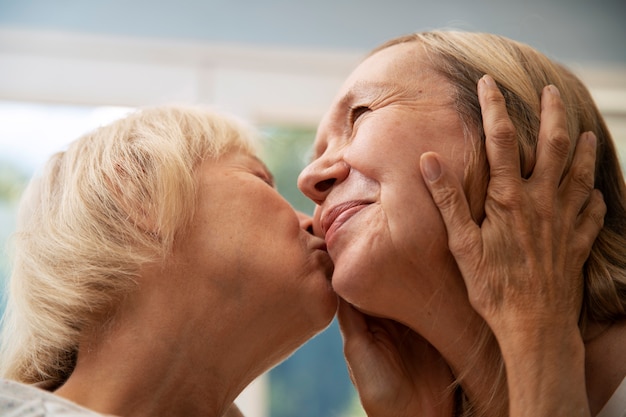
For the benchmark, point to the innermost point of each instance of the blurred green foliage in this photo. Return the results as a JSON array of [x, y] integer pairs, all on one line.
[[286, 152], [12, 181]]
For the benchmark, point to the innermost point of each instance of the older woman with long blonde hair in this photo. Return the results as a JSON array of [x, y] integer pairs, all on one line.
[[447, 275]]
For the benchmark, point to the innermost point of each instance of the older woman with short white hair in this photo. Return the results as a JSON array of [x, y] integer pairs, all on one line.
[[157, 271]]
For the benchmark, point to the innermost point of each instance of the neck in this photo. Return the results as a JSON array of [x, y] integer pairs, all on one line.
[[605, 365], [476, 362], [605, 361], [146, 365], [482, 382], [120, 379]]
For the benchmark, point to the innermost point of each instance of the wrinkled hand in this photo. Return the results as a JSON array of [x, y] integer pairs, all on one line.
[[527, 255], [523, 265], [396, 372]]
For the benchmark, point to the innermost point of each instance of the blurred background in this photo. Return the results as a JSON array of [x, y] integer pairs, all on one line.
[[68, 66]]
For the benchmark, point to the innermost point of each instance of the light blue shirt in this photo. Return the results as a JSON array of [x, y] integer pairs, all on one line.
[[21, 400], [616, 406]]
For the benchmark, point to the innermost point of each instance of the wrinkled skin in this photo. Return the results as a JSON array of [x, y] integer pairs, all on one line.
[[360, 180], [529, 288]]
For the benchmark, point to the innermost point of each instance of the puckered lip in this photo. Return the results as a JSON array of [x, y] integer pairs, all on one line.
[[320, 244], [328, 218]]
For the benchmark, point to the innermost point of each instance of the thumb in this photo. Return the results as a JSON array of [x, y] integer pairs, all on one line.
[[464, 235], [352, 323]]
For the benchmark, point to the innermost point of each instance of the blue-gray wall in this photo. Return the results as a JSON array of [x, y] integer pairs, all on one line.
[[568, 30]]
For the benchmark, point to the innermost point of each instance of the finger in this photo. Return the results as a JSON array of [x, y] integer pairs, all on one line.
[[554, 143], [590, 222], [348, 325], [463, 233], [579, 180], [500, 139], [352, 323]]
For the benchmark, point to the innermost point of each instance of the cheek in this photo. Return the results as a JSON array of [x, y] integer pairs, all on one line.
[[415, 224], [385, 146]]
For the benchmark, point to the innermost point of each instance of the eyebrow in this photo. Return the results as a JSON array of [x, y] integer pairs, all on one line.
[[366, 91]]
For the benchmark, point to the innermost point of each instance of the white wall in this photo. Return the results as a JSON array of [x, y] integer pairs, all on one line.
[[261, 84]]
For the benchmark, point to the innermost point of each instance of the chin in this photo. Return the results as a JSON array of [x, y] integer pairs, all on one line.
[[297, 334], [356, 286], [326, 301], [328, 310], [321, 316]]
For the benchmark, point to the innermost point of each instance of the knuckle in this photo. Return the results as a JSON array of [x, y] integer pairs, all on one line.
[[487, 299], [580, 248], [494, 98], [502, 129], [586, 235], [497, 122], [462, 246], [508, 198], [582, 179], [560, 143], [446, 196], [598, 218], [597, 213]]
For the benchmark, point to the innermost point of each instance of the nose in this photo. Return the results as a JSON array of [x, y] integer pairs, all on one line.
[[306, 221], [320, 176]]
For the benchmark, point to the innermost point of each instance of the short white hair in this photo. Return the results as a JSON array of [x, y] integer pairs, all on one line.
[[114, 200]]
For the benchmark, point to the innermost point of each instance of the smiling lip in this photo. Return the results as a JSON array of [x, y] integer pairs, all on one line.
[[338, 215]]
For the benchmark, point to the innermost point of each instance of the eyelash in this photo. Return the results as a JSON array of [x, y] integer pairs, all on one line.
[[356, 112], [266, 180]]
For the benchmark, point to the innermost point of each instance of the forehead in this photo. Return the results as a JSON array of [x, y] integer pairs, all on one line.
[[233, 160], [398, 75], [246, 160], [395, 65]]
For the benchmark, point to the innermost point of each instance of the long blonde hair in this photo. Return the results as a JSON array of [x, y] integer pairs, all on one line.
[[521, 72], [113, 201]]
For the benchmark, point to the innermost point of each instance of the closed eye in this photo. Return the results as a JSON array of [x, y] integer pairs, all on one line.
[[356, 112], [268, 179]]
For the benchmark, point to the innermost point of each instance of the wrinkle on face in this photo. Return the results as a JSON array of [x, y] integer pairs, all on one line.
[[410, 110], [377, 95]]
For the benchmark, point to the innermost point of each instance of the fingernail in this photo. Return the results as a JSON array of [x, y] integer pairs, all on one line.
[[489, 81], [590, 137], [430, 167], [553, 90]]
